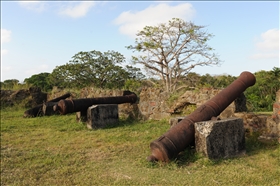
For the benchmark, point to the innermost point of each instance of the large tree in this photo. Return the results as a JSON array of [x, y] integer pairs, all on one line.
[[39, 80], [171, 50], [93, 68]]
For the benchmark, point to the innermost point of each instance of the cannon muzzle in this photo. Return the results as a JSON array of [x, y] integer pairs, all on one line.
[[177, 138]]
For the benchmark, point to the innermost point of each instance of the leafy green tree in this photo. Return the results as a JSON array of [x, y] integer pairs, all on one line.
[[262, 95], [222, 81], [171, 50], [9, 83], [39, 80], [207, 80], [93, 68]]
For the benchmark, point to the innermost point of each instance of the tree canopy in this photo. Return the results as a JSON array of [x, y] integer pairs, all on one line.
[[9, 83], [262, 95], [39, 80], [171, 50], [94, 68]]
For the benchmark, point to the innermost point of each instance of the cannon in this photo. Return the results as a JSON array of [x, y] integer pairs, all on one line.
[[39, 109], [76, 105], [180, 136]]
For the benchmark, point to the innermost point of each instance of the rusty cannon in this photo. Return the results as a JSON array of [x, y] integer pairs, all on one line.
[[180, 136], [76, 105], [39, 109]]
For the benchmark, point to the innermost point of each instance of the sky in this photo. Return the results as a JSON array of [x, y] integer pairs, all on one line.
[[37, 36]]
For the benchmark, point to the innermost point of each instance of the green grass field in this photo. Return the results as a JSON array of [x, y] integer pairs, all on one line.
[[57, 150]]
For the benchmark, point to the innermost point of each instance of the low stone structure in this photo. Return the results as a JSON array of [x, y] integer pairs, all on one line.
[[31, 97], [272, 125], [100, 116], [153, 104], [199, 97], [220, 138]]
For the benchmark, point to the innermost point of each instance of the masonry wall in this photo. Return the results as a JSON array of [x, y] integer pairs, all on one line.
[[153, 104]]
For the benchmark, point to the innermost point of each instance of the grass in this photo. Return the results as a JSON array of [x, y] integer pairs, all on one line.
[[56, 150]]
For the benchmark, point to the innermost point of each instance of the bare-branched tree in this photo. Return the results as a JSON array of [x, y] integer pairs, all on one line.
[[171, 50]]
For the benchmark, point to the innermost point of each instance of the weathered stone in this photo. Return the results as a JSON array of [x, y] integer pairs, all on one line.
[[174, 121], [253, 122], [100, 116], [199, 97], [152, 104], [272, 132], [220, 138], [81, 116]]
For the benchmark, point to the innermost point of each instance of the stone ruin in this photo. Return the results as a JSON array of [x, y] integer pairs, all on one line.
[[31, 97], [153, 104], [225, 138]]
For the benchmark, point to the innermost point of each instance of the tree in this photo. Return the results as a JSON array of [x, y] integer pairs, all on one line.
[[262, 95], [39, 80], [171, 50], [93, 68], [9, 83]]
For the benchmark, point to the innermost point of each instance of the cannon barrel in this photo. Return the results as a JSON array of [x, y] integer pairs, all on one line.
[[37, 111], [180, 136], [76, 105]]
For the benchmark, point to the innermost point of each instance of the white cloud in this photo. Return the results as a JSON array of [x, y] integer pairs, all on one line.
[[132, 22], [77, 10], [5, 35], [270, 40], [267, 46], [37, 6]]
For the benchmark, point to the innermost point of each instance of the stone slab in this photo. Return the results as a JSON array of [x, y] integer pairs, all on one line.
[[100, 116], [220, 138]]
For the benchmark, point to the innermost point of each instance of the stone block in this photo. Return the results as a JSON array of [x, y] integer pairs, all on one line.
[[220, 138], [100, 116]]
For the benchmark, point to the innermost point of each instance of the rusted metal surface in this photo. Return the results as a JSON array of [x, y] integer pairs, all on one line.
[[76, 105], [180, 136], [39, 111]]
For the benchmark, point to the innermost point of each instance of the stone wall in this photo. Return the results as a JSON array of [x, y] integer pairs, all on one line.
[[28, 97], [153, 104], [272, 125], [199, 97]]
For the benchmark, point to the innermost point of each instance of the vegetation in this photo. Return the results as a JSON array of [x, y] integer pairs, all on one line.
[[262, 95], [96, 69], [39, 80], [9, 83], [56, 150], [171, 50]]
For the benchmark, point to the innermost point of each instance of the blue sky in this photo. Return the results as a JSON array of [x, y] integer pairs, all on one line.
[[37, 36]]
